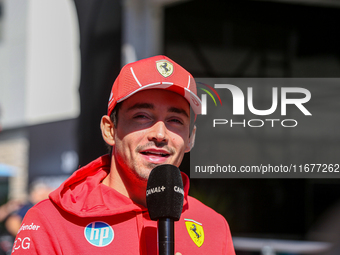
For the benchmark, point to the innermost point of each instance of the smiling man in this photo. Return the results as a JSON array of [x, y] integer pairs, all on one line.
[[153, 129], [101, 208]]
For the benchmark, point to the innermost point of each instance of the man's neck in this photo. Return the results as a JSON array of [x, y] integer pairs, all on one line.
[[126, 184]]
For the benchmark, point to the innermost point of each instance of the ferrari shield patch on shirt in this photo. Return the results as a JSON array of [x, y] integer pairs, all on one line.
[[195, 230], [165, 68]]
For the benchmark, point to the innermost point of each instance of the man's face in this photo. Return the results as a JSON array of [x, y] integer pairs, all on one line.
[[152, 129]]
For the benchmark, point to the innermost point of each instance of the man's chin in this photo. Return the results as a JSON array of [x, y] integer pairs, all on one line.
[[144, 171]]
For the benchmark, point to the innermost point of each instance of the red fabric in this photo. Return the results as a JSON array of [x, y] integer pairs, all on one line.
[[62, 224], [145, 72]]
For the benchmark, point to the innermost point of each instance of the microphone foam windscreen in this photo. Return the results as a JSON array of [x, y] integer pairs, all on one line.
[[164, 193]]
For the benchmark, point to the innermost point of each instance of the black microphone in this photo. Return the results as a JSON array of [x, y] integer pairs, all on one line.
[[164, 199]]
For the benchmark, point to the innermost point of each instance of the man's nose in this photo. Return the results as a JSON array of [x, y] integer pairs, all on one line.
[[158, 132]]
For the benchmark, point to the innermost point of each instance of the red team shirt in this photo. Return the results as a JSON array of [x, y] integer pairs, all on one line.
[[84, 216]]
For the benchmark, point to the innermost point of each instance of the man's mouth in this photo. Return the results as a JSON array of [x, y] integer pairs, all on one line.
[[155, 153]]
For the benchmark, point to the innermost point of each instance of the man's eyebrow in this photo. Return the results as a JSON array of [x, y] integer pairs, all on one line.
[[141, 106], [151, 106], [178, 110]]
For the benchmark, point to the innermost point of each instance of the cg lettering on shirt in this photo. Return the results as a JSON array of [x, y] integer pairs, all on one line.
[[21, 243], [99, 233]]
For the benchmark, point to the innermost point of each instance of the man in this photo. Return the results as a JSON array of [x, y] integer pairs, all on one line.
[[101, 208]]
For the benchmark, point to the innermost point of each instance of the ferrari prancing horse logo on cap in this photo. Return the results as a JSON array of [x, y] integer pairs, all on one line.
[[195, 230], [164, 67]]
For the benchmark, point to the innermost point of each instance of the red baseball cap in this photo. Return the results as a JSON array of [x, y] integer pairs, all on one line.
[[158, 72]]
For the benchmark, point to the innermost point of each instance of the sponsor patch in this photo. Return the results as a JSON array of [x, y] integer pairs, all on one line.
[[165, 68], [195, 230], [19, 243], [32, 226], [99, 233]]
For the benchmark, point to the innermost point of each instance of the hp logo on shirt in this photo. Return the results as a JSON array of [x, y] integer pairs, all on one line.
[[99, 233]]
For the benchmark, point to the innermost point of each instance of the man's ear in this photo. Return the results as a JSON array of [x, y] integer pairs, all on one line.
[[191, 142], [108, 130]]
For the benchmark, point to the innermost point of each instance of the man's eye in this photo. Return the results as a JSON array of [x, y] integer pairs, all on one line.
[[140, 116], [176, 121]]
